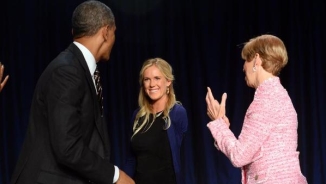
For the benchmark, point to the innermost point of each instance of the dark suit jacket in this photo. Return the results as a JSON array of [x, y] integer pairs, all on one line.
[[66, 139]]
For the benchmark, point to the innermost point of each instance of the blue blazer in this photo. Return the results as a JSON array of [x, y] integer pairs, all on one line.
[[179, 124]]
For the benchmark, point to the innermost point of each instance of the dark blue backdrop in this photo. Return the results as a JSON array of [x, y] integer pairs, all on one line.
[[200, 38]]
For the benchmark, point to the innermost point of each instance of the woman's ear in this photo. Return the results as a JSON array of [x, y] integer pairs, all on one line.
[[169, 83], [258, 61]]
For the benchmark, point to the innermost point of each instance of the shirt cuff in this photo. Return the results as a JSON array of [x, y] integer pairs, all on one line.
[[116, 174]]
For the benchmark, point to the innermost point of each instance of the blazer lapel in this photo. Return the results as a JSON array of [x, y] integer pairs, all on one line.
[[97, 111]]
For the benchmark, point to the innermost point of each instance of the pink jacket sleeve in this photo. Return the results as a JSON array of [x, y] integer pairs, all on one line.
[[256, 129]]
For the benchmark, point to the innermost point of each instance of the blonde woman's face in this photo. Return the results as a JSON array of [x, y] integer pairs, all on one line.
[[155, 84]]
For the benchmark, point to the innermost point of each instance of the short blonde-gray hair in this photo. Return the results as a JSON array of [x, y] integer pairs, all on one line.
[[271, 50]]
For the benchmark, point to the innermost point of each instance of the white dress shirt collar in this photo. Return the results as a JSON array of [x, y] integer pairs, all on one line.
[[90, 60]]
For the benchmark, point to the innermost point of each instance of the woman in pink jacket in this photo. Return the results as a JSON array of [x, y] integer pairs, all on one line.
[[266, 149]]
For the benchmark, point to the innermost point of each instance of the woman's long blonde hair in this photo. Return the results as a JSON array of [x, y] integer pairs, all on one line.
[[144, 101]]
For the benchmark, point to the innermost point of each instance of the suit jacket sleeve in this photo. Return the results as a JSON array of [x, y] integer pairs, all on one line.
[[66, 133]]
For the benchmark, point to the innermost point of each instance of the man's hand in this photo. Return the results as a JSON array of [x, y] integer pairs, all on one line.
[[124, 178], [2, 83]]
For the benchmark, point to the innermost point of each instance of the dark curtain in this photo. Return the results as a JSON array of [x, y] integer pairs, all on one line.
[[202, 41]]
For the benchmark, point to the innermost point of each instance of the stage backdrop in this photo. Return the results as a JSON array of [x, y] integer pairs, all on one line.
[[202, 41]]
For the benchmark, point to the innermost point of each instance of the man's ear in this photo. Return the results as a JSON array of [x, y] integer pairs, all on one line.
[[105, 32]]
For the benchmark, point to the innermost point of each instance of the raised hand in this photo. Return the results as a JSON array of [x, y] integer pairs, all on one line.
[[215, 110], [2, 83]]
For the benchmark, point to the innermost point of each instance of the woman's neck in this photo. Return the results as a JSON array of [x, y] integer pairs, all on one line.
[[159, 105], [263, 76]]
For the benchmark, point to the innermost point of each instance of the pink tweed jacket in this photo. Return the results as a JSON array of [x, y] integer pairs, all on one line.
[[266, 149]]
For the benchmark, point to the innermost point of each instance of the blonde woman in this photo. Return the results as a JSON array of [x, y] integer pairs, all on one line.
[[158, 127]]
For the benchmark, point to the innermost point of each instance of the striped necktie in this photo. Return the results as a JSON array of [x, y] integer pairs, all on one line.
[[98, 88]]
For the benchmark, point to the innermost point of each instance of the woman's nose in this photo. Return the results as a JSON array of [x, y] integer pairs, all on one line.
[[152, 83]]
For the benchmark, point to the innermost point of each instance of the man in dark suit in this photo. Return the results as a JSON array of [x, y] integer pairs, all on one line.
[[67, 139]]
